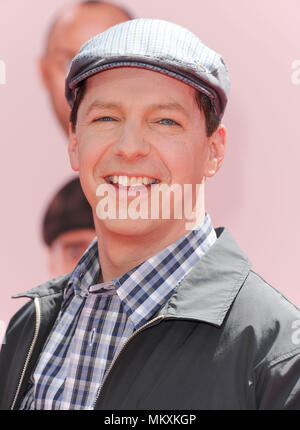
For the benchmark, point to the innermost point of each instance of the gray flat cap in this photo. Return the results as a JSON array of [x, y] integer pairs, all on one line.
[[156, 45]]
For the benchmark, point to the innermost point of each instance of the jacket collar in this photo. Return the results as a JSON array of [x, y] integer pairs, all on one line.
[[210, 288], [205, 294], [52, 287]]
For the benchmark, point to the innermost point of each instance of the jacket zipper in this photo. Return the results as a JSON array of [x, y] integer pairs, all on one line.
[[35, 336], [149, 323]]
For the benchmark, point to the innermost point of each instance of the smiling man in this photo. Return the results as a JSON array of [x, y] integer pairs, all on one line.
[[156, 315], [152, 131]]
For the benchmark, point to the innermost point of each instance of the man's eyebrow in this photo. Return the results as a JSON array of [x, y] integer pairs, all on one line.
[[101, 105], [170, 106]]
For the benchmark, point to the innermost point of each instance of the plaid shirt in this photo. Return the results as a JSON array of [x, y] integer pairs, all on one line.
[[96, 319]]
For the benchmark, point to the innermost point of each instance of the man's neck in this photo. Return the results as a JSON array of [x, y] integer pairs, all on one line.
[[119, 253]]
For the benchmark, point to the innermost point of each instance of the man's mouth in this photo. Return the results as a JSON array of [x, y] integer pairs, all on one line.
[[130, 182]]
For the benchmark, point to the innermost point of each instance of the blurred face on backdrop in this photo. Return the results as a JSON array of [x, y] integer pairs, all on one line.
[[145, 126], [67, 249], [73, 28]]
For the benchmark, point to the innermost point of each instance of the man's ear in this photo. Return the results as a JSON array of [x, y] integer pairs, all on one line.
[[73, 149], [217, 144], [42, 65]]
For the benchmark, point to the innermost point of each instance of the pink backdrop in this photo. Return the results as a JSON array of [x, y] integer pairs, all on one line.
[[256, 192]]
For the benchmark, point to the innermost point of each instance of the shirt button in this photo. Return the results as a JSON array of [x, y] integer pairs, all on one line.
[[92, 335]]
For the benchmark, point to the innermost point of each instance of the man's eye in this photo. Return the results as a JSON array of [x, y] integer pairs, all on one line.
[[104, 118], [167, 121]]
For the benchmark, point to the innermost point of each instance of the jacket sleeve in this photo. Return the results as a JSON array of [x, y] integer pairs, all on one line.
[[279, 387]]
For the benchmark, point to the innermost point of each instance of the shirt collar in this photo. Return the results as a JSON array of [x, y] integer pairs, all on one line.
[[146, 288], [86, 273]]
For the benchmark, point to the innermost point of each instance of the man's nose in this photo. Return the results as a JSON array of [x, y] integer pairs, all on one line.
[[133, 143]]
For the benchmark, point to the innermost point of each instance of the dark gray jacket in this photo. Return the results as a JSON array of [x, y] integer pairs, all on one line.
[[224, 340]]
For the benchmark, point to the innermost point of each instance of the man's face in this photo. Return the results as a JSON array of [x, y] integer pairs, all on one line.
[[138, 123], [73, 29], [67, 249]]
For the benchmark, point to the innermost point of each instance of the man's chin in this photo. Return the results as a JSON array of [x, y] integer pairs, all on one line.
[[132, 227]]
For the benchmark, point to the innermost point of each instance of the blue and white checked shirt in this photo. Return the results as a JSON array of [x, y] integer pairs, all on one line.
[[96, 319]]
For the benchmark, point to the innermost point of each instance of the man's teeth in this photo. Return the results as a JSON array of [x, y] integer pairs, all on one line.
[[131, 181]]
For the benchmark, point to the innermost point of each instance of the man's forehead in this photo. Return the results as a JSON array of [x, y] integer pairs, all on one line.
[[105, 83]]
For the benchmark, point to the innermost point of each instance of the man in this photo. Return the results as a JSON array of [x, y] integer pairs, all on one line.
[[67, 228], [174, 318], [73, 26]]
